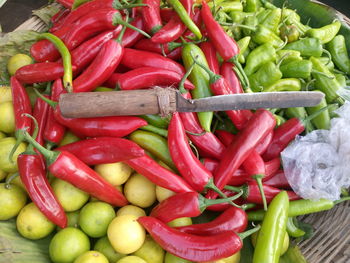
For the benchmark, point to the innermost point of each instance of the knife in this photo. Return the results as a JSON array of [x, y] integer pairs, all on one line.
[[165, 101]]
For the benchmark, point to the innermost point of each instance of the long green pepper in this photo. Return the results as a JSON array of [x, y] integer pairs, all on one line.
[[323, 120], [337, 48], [259, 56]]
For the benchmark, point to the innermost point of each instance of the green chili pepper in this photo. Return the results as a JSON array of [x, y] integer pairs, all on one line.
[[322, 121], [185, 18], [297, 69], [66, 59], [156, 130], [271, 236], [155, 144], [243, 44], [286, 56], [250, 22], [215, 3], [231, 6], [238, 16], [272, 21], [200, 80], [156, 120], [288, 84], [325, 33], [289, 32], [337, 48], [259, 56], [252, 5], [263, 14], [307, 47], [300, 113], [341, 79], [267, 74], [328, 86], [292, 229], [327, 62], [264, 35], [290, 17]]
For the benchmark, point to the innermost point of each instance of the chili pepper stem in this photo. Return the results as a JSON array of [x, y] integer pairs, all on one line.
[[205, 202], [121, 34], [30, 149], [10, 179], [248, 232], [47, 100], [306, 120], [212, 76], [341, 200], [252, 28], [182, 82], [117, 19], [156, 130], [258, 178], [242, 76], [66, 59], [19, 140]]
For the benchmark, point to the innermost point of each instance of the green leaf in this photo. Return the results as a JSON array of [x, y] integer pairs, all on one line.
[[11, 44], [16, 249]]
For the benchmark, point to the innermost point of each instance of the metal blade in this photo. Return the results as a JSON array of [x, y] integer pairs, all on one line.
[[251, 101]]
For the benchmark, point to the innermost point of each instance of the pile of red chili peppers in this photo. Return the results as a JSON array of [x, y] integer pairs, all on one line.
[[141, 47]]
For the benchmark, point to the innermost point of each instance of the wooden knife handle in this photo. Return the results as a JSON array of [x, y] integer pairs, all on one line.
[[118, 103]]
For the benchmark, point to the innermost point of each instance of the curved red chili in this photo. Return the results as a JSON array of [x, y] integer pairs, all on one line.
[[58, 18], [210, 54], [39, 72], [33, 176], [282, 136], [101, 68], [232, 219], [151, 15], [112, 81], [206, 142], [278, 180], [40, 113], [134, 58], [131, 36], [148, 45], [262, 147], [103, 150], [192, 247], [210, 164], [271, 167], [159, 175], [226, 70], [166, 14], [256, 129], [148, 77]]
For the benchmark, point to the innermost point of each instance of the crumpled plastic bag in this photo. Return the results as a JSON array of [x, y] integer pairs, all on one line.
[[318, 165]]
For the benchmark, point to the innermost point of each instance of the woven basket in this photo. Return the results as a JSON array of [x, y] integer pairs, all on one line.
[[331, 240]]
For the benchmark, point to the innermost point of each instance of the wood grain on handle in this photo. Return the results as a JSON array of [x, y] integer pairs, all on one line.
[[118, 103]]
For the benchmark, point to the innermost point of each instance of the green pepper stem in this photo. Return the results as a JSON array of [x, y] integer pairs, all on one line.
[[196, 134], [212, 76], [205, 202], [121, 34], [10, 179], [241, 74], [212, 186], [47, 100], [342, 200], [248, 233], [117, 5], [35, 131], [117, 19], [258, 178], [182, 82], [19, 140], [252, 28], [154, 129], [329, 55], [233, 188], [66, 59], [306, 120]]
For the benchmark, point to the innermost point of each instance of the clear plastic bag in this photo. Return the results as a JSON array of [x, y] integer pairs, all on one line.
[[318, 165]]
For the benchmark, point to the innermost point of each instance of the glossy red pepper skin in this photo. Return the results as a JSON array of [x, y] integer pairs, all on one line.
[[210, 54], [175, 54], [151, 15], [40, 113], [66, 3], [256, 129], [239, 177], [54, 131], [103, 150], [21, 105], [176, 206], [131, 36], [82, 10], [224, 44], [39, 72], [159, 175], [231, 77], [232, 219], [254, 164], [166, 14], [33, 176], [206, 142], [282, 136], [58, 18], [192, 247], [225, 206], [134, 58], [148, 77], [69, 168], [184, 159], [90, 25], [210, 164], [44, 50], [262, 147], [101, 68], [114, 126], [148, 45], [278, 180], [271, 167], [112, 81]]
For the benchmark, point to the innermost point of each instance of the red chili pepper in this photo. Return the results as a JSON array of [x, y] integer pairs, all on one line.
[[40, 113], [262, 147], [210, 164], [151, 15], [54, 131], [225, 137], [137, 59], [190, 204], [238, 178], [39, 72], [206, 142], [166, 14], [148, 45], [66, 3], [148, 77], [33, 176], [131, 36], [101, 68], [83, 10], [112, 81], [278, 180], [256, 129], [226, 70], [282, 136], [210, 54], [103, 150], [271, 167], [44, 50], [159, 175], [175, 54], [58, 19], [232, 219], [192, 247]]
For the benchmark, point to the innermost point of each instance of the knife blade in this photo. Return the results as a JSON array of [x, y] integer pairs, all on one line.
[[164, 101]]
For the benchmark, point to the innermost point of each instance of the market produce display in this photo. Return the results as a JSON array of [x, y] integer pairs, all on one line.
[[189, 187]]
